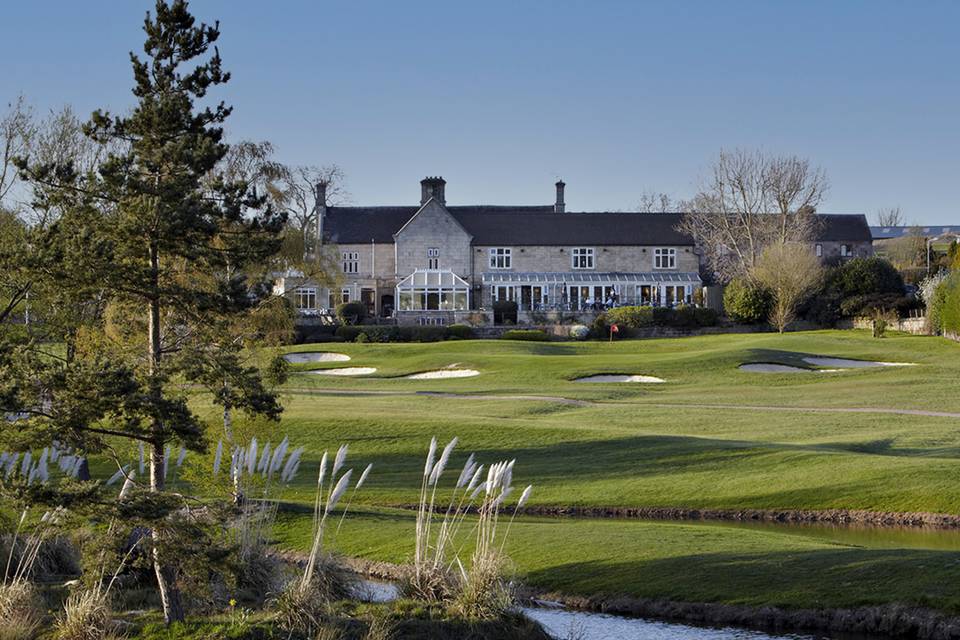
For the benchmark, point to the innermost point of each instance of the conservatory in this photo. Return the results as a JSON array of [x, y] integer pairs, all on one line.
[[433, 290]]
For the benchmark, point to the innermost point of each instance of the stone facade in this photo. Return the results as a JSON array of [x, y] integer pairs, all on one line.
[[433, 228], [619, 258], [832, 251]]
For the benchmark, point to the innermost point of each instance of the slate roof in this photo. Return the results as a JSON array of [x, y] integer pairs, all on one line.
[[882, 233], [494, 225], [834, 227], [501, 225]]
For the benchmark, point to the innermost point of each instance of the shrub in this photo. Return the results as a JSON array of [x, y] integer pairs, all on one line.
[[351, 312], [745, 301], [362, 338], [527, 335], [865, 276], [631, 317], [461, 331], [504, 312], [579, 332], [950, 311], [867, 305], [599, 325]]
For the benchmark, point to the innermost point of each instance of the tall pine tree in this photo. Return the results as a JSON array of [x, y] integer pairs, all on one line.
[[169, 245]]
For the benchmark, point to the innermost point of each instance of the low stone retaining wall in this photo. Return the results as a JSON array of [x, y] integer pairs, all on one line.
[[915, 326]]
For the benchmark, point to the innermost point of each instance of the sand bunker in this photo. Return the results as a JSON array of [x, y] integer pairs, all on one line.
[[315, 356], [620, 377], [764, 367], [854, 364], [345, 371], [440, 374]]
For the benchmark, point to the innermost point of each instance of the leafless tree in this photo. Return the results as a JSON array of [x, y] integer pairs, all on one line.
[[889, 217], [790, 271], [300, 189], [749, 201], [17, 130], [657, 202]]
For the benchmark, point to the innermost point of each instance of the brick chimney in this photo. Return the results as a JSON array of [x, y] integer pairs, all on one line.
[[433, 187], [560, 206]]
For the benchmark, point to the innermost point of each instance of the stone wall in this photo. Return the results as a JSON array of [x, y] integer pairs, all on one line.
[[916, 326], [831, 250]]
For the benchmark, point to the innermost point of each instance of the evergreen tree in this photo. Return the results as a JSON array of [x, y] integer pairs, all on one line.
[[167, 243]]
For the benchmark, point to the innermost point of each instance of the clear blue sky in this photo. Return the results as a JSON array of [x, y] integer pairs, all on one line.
[[501, 98]]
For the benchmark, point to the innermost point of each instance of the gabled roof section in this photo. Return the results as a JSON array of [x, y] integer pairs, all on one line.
[[432, 202], [834, 227]]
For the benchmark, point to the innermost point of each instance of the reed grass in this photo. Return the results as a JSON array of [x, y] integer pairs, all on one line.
[[477, 589]]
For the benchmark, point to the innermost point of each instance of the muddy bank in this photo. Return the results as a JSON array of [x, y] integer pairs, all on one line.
[[830, 516], [891, 620]]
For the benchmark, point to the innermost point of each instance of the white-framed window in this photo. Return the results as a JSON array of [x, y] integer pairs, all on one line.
[[351, 261], [845, 250], [345, 295], [582, 258], [664, 258], [306, 298], [819, 249], [433, 258], [501, 258]]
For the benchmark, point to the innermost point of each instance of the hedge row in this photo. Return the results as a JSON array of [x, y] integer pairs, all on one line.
[[526, 335], [682, 317], [388, 333]]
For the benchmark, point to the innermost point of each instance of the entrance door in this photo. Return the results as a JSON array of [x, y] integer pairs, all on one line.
[[386, 305], [369, 299], [574, 294], [526, 297]]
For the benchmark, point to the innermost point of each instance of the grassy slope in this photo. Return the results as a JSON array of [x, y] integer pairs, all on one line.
[[633, 452]]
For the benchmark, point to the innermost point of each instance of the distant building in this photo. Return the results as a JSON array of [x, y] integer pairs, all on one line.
[[929, 231], [437, 264]]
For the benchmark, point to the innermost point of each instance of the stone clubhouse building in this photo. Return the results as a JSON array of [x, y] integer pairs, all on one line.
[[437, 264]]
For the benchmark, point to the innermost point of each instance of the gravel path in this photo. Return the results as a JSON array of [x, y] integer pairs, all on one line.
[[672, 405]]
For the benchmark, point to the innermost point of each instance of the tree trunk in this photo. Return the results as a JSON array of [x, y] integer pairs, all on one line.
[[166, 574]]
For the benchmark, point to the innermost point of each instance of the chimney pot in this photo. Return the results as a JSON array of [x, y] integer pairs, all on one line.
[[433, 187], [560, 206]]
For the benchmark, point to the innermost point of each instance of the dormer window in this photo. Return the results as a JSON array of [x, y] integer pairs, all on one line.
[[664, 258], [501, 258], [582, 258]]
